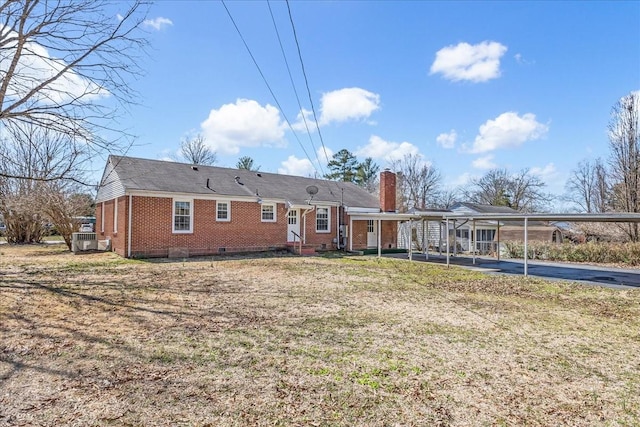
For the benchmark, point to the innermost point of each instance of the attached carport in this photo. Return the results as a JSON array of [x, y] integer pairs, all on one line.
[[445, 217], [525, 218]]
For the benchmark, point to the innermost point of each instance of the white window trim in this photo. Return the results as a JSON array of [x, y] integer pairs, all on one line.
[[228, 218], [173, 216], [275, 212], [115, 215], [328, 208]]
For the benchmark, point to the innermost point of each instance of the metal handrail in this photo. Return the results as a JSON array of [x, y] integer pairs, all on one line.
[[294, 241]]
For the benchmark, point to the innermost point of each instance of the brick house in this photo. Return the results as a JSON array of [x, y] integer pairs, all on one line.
[[153, 208]]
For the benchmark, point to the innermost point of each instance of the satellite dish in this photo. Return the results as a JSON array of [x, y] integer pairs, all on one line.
[[312, 190]]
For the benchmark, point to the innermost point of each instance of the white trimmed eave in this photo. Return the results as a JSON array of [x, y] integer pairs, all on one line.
[[384, 216], [574, 217]]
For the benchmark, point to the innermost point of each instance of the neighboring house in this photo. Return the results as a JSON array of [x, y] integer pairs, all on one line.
[[461, 231], [487, 231], [153, 208]]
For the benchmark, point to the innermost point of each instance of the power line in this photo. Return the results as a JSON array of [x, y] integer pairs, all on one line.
[[306, 81], [304, 119], [267, 83]]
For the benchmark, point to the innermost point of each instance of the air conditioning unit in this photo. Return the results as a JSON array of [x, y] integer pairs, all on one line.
[[84, 242]]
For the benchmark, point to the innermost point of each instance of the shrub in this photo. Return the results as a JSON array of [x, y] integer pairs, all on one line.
[[592, 252]]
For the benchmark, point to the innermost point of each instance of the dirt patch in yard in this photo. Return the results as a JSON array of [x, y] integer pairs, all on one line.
[[355, 341]]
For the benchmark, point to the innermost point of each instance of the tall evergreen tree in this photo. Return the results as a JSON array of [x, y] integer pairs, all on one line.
[[343, 166]]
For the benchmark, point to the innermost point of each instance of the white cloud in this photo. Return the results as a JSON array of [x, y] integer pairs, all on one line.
[[485, 162], [475, 63], [36, 66], [157, 23], [545, 173], [304, 120], [521, 60], [322, 158], [296, 166], [347, 104], [378, 148], [508, 130], [463, 179], [243, 124], [447, 140]]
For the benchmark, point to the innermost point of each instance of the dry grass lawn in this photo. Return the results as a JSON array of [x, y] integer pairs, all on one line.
[[284, 341]]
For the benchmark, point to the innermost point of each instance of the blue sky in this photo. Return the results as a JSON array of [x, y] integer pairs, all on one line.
[[467, 85]]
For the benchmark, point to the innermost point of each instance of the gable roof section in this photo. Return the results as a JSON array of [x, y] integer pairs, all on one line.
[[130, 174]]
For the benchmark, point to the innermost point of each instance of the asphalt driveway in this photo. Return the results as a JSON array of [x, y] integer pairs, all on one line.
[[593, 274]]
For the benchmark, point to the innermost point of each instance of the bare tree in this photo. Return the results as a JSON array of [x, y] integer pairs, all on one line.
[[446, 198], [43, 156], [418, 182], [588, 187], [521, 191], [490, 189], [61, 203], [246, 162], [195, 150], [65, 66], [624, 142]]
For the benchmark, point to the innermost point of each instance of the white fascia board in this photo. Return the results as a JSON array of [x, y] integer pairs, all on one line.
[[355, 210]]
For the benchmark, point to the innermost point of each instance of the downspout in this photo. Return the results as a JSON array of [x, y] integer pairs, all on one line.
[[129, 227], [303, 218]]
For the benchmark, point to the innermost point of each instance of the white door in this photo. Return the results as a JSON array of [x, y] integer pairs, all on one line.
[[372, 234], [293, 225]]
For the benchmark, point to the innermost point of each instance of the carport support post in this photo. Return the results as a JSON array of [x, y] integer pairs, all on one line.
[[473, 243], [379, 238], [411, 239], [498, 248], [425, 247], [447, 226], [350, 234], [526, 252]]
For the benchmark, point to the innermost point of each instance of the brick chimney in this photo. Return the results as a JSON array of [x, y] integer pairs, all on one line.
[[387, 191]]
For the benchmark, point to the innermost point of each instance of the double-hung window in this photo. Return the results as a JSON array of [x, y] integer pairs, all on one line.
[[223, 211], [182, 216], [268, 212], [322, 220]]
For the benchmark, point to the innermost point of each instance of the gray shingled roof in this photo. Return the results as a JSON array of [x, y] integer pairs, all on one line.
[[172, 177]]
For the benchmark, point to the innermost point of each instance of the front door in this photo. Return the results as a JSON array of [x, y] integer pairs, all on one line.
[[293, 225], [372, 234]]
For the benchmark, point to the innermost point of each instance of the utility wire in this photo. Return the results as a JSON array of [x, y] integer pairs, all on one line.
[[267, 83], [304, 119], [306, 81]]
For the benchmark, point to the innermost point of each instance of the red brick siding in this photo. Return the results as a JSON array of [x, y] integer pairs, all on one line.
[[153, 237], [153, 218], [387, 191], [389, 234]]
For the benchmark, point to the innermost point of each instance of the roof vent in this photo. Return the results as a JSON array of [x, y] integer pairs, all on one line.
[[237, 178], [194, 167], [259, 175]]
